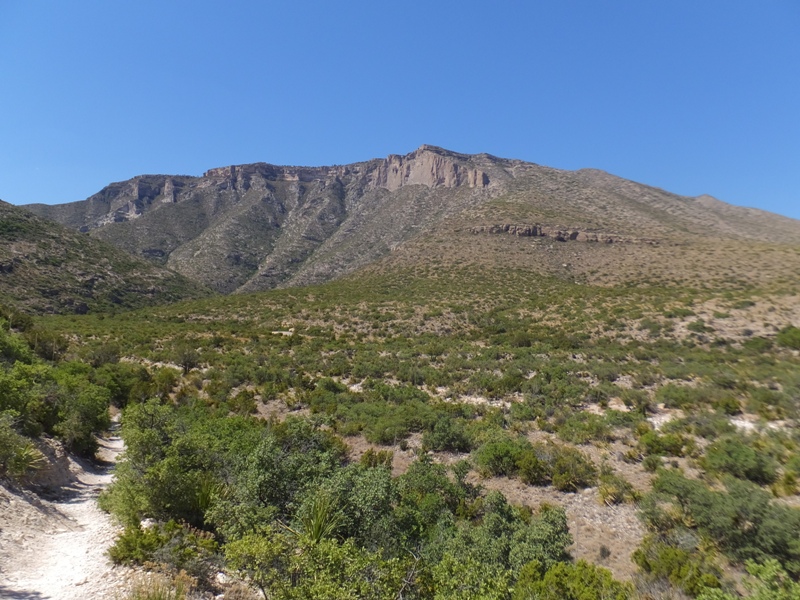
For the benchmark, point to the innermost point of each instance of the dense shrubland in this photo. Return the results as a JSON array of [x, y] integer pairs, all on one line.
[[466, 368], [38, 397]]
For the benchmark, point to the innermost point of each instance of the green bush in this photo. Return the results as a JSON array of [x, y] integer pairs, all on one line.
[[727, 405], [652, 463], [699, 326], [533, 470], [572, 470], [742, 519], [500, 456], [692, 572], [736, 456], [179, 547], [448, 434], [582, 427], [789, 337], [565, 581], [47, 344], [681, 396], [380, 458], [243, 403], [758, 345], [82, 412], [668, 444], [767, 581], [13, 348]]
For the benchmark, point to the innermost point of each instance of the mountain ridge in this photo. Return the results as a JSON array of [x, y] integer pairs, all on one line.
[[257, 226]]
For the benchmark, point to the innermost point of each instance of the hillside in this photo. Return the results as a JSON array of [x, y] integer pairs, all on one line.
[[254, 227], [49, 268]]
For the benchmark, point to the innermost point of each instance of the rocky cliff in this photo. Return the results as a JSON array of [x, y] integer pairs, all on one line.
[[259, 226]]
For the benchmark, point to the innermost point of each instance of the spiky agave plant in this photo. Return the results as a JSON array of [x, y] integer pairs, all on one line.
[[25, 461], [320, 520]]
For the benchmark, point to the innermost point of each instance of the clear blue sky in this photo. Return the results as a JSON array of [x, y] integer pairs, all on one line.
[[691, 96]]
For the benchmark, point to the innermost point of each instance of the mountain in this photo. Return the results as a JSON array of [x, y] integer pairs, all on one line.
[[47, 267], [252, 227]]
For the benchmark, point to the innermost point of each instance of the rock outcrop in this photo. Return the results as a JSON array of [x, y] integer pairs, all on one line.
[[429, 167], [561, 234]]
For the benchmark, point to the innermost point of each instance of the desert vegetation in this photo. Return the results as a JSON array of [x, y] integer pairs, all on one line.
[[357, 439]]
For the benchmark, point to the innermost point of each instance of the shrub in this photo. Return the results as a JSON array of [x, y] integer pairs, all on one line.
[[179, 547], [572, 470], [690, 571], [668, 444], [387, 430], [82, 412], [767, 581], [652, 463], [13, 348], [155, 586], [565, 581], [789, 337], [680, 396], [500, 456], [521, 339], [447, 434], [533, 470], [727, 405], [372, 459], [737, 457], [243, 403], [758, 345], [743, 520], [582, 427], [614, 489], [47, 344], [638, 400], [699, 326]]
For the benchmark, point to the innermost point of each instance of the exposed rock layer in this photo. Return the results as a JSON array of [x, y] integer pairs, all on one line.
[[562, 234]]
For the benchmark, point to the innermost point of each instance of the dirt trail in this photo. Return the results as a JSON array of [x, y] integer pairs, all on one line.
[[57, 549]]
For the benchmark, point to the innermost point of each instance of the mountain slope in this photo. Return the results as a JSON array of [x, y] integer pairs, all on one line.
[[254, 227], [49, 268]]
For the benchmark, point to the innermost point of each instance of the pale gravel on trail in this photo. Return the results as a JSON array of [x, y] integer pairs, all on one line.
[[57, 549]]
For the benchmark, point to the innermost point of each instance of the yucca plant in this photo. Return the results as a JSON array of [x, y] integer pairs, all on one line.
[[320, 520], [25, 460]]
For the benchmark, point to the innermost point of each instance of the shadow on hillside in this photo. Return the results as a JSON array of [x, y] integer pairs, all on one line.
[[10, 594]]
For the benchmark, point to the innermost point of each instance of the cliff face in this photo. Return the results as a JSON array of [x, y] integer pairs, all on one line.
[[429, 167], [260, 226]]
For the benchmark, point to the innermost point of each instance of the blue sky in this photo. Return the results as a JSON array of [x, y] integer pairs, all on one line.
[[694, 97]]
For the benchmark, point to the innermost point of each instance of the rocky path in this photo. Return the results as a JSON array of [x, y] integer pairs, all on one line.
[[57, 549]]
